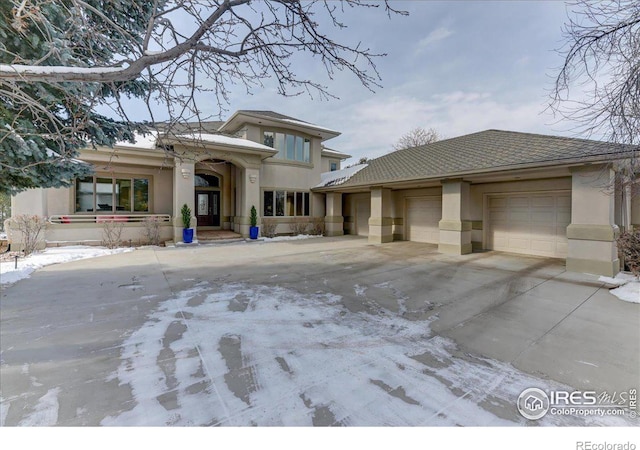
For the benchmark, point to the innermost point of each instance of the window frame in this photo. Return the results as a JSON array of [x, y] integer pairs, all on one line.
[[113, 202], [280, 203], [290, 146]]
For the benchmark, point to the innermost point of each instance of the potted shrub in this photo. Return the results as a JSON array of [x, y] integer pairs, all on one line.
[[187, 231], [253, 219]]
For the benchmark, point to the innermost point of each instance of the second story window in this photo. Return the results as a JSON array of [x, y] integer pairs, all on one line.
[[290, 146], [333, 166]]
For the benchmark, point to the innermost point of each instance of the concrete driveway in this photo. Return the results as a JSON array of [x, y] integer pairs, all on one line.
[[324, 331]]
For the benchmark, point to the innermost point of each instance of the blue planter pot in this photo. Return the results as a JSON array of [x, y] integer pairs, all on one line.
[[253, 232], [187, 235]]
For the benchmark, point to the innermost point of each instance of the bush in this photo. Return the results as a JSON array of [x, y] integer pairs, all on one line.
[[186, 216], [152, 230], [629, 246], [253, 218], [112, 233], [30, 227], [299, 225], [317, 226], [269, 227]]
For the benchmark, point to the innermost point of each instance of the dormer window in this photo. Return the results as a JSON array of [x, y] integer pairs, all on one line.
[[290, 146]]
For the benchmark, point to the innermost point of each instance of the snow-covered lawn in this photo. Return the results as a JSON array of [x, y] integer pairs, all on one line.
[[10, 274], [628, 287]]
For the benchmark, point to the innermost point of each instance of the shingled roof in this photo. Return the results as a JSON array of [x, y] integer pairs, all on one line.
[[270, 115], [484, 151]]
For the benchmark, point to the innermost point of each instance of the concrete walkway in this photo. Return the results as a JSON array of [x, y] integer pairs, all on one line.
[[63, 332]]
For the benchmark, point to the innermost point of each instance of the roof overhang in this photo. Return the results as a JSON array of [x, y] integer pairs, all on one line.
[[551, 169], [232, 145], [239, 118]]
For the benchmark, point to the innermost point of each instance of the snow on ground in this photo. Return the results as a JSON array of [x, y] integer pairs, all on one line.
[[290, 238], [26, 266], [248, 354], [628, 288]]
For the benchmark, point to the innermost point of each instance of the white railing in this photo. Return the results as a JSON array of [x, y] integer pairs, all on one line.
[[101, 218]]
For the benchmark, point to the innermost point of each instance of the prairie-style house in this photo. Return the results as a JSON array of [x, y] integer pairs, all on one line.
[[492, 190]]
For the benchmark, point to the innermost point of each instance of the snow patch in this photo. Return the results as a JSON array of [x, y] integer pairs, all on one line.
[[25, 70], [226, 140], [311, 125], [46, 411], [338, 177], [26, 266], [146, 141], [628, 288], [290, 238]]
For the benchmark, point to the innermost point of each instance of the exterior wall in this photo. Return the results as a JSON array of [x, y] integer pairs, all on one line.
[[279, 174], [478, 192], [326, 163], [61, 201]]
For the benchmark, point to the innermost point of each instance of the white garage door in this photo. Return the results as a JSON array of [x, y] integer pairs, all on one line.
[[363, 212], [423, 215], [533, 224]]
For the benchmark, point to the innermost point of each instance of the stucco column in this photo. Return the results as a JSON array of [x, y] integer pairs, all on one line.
[[455, 226], [333, 221], [592, 231], [380, 222], [183, 182], [250, 191]]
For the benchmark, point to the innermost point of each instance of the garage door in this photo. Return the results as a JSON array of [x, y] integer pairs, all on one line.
[[363, 212], [423, 215], [533, 224]]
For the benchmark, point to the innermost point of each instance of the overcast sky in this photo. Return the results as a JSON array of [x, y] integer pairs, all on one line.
[[456, 66], [459, 67]]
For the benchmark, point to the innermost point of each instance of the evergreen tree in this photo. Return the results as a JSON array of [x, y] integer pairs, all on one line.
[[42, 128], [63, 60]]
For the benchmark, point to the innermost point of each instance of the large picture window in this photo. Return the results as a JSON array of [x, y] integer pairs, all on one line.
[[289, 146], [104, 194], [285, 203]]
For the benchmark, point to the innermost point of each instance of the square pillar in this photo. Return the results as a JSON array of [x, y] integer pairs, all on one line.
[[333, 221], [592, 232], [455, 226], [249, 191], [380, 222], [183, 184]]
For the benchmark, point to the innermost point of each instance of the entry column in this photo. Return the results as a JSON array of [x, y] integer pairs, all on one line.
[[183, 182], [334, 221], [380, 222], [250, 191], [592, 231], [455, 226]]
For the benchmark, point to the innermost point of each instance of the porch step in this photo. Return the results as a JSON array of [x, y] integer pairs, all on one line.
[[218, 235]]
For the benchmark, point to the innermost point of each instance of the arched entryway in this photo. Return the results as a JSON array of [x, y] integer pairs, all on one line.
[[208, 200]]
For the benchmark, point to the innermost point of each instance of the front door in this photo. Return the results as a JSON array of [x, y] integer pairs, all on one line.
[[208, 208]]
